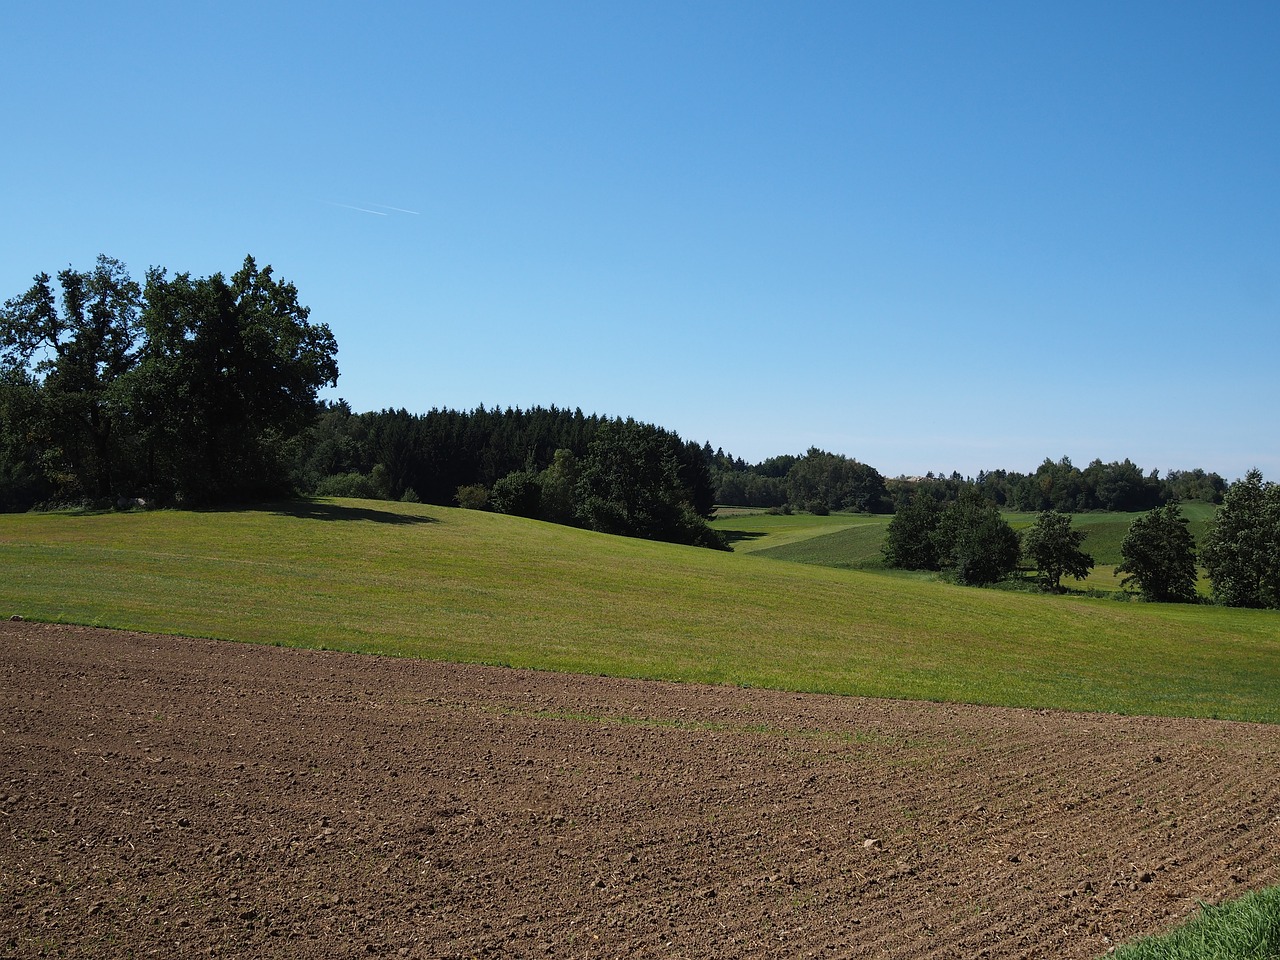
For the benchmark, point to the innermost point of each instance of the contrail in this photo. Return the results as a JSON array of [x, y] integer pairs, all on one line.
[[383, 206], [376, 213]]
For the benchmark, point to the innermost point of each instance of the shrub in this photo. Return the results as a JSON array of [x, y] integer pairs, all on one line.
[[473, 496], [355, 485]]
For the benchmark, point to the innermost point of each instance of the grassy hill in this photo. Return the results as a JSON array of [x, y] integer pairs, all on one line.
[[413, 580]]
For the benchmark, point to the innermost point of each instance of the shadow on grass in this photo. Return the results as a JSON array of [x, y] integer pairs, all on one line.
[[315, 510], [738, 536]]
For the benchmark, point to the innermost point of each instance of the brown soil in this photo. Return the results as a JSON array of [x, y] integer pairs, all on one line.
[[174, 797]]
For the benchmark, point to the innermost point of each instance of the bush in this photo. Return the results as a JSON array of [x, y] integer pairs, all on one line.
[[473, 496], [518, 494], [355, 485]]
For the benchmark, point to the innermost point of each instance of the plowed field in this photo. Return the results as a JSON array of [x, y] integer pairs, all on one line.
[[175, 797]]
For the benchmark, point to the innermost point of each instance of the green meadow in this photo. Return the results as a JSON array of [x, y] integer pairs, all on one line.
[[422, 581], [852, 541]]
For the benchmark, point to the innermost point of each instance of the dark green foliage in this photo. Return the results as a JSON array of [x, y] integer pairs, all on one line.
[[1160, 556], [1054, 547], [22, 482], [641, 481], [1242, 548], [975, 544], [518, 494], [760, 485], [744, 488], [348, 485], [74, 359], [472, 496], [439, 451], [1063, 487], [191, 391], [558, 484], [229, 368], [967, 538], [909, 540], [827, 480], [1194, 485]]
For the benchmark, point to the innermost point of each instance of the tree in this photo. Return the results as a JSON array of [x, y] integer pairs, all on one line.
[[75, 358], [188, 391], [638, 480], [975, 543], [1159, 555], [910, 541], [229, 370], [1054, 547], [824, 481], [558, 484], [22, 483], [1242, 546]]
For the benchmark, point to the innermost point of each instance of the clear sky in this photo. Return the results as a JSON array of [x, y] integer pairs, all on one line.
[[931, 236]]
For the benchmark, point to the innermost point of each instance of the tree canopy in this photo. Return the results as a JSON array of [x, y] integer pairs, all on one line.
[[1242, 547], [1159, 555], [1053, 545], [186, 391]]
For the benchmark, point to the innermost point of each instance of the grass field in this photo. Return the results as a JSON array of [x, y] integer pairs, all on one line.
[[852, 541], [413, 580]]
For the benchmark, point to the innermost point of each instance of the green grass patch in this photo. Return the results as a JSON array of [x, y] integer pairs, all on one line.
[[753, 531], [851, 547], [421, 581], [1244, 929], [1106, 531]]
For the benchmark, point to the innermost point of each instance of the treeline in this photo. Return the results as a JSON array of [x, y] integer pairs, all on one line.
[[1060, 486], [610, 475]]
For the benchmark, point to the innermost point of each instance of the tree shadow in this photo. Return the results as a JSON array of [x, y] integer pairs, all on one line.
[[738, 536], [319, 510]]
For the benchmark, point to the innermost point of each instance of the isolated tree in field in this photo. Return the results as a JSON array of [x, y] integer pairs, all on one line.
[[1242, 548], [1159, 555], [910, 542], [975, 543], [1053, 545]]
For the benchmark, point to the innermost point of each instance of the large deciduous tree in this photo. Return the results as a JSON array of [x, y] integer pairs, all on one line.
[[975, 543], [910, 542], [187, 391], [1053, 545], [1242, 548], [229, 372], [71, 361], [1159, 555], [642, 481]]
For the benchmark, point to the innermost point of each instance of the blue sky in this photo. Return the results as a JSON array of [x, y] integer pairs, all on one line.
[[932, 236]]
